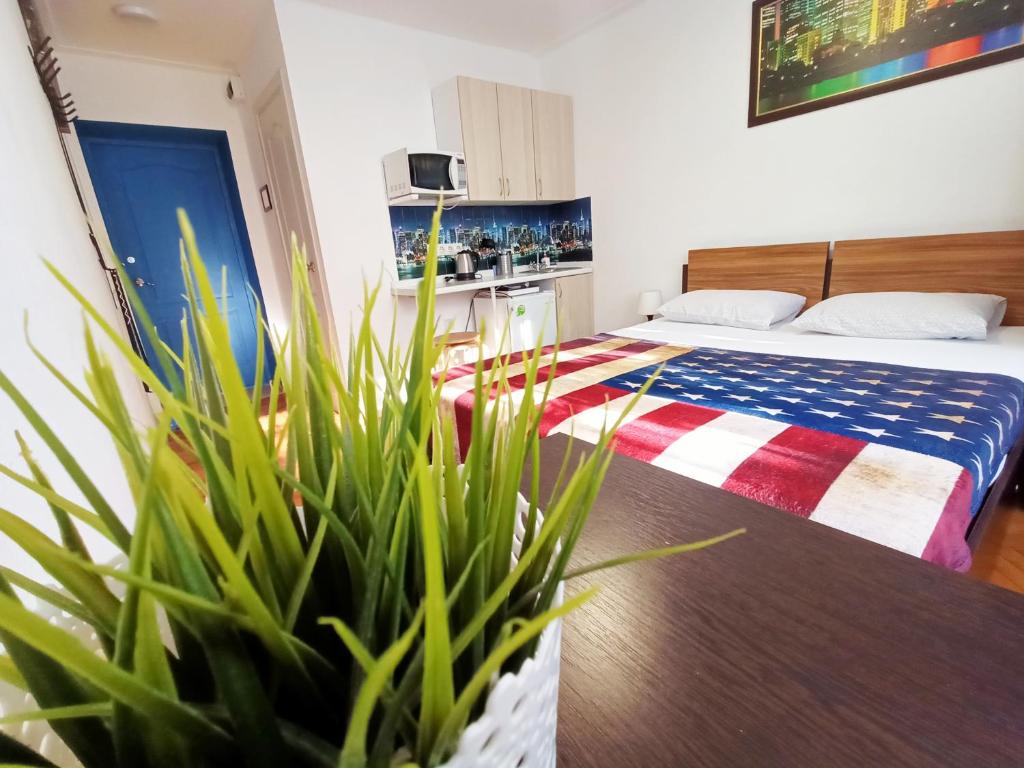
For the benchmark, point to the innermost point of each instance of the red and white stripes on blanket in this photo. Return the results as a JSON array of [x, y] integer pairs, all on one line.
[[912, 502]]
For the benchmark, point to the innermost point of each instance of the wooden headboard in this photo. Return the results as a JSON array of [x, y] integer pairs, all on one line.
[[798, 268], [987, 262]]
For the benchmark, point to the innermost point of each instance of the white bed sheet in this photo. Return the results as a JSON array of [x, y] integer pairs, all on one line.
[[1002, 352]]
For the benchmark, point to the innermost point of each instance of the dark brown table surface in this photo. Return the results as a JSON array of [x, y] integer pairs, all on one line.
[[793, 645]]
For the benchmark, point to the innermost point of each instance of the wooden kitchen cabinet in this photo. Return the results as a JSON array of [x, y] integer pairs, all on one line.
[[512, 153], [574, 302], [515, 119], [473, 128], [554, 146], [484, 120]]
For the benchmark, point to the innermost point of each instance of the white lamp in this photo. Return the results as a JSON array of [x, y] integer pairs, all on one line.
[[649, 303]]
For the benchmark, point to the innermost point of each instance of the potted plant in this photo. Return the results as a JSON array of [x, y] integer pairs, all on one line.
[[327, 586]]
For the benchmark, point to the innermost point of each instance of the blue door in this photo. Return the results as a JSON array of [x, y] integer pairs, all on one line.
[[142, 174]]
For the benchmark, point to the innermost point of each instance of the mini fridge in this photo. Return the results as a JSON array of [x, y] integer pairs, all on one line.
[[529, 317]]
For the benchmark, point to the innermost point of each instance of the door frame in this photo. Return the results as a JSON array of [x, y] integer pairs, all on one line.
[[105, 249], [279, 84], [171, 135]]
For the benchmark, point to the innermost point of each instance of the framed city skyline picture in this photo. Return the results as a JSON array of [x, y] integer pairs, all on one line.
[[812, 54]]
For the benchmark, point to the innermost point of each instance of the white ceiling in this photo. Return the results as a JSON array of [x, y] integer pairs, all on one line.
[[527, 25], [217, 33], [213, 33]]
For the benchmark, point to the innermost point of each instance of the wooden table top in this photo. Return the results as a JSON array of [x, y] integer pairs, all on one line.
[[793, 645]]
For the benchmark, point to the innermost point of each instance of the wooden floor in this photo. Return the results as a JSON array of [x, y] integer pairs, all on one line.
[[185, 452], [1000, 558]]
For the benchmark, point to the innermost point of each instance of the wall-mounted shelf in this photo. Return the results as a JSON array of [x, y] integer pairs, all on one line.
[[425, 200], [410, 288], [416, 201]]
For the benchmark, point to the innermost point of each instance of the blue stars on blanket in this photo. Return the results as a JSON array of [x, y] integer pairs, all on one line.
[[970, 419]]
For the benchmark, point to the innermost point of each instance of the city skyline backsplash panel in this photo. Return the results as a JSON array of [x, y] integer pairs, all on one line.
[[812, 54], [560, 231]]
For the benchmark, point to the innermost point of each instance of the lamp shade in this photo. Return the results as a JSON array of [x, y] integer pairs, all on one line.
[[649, 303]]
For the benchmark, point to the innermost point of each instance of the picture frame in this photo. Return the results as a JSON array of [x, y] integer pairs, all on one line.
[[899, 43]]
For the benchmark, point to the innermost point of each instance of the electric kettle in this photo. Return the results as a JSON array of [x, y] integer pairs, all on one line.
[[466, 265]]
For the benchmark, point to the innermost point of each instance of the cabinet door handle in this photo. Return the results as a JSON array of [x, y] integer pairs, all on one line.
[[540, 187], [508, 188]]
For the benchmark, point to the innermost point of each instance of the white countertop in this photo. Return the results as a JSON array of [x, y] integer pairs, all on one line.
[[411, 287]]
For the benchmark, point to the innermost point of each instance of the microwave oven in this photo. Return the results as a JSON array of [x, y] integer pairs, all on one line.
[[424, 174]]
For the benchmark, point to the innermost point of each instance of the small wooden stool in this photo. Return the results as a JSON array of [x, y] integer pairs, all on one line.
[[457, 349]]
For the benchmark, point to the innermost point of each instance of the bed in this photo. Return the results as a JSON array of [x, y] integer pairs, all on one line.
[[906, 443]]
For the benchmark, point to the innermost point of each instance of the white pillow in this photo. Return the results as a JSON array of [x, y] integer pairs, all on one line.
[[759, 310], [905, 315]]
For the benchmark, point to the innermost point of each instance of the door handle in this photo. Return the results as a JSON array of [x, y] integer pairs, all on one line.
[[501, 187], [540, 187], [508, 189]]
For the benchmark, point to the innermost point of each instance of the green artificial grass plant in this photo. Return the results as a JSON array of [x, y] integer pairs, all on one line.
[[332, 588]]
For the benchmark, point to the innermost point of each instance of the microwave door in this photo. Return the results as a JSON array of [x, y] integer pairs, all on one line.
[[431, 172], [457, 172]]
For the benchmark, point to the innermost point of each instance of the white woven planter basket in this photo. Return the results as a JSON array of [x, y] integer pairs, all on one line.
[[516, 730], [518, 726], [519, 723], [38, 734]]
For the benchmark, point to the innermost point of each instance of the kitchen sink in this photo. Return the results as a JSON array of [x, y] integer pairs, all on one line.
[[548, 270]]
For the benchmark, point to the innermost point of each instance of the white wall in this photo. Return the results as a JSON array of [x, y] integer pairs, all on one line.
[[40, 218], [265, 56], [128, 90], [662, 146], [361, 88]]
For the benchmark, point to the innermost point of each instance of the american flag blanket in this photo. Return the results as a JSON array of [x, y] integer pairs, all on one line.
[[898, 455]]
